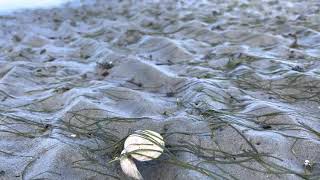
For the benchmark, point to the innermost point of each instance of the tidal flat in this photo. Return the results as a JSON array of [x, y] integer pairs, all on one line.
[[232, 86]]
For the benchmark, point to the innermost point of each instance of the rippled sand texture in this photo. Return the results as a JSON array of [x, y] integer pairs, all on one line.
[[233, 86]]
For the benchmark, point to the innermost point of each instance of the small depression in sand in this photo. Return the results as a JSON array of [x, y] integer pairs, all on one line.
[[233, 87]]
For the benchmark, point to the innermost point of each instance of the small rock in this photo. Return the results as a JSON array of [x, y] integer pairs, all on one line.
[[297, 68], [2, 173]]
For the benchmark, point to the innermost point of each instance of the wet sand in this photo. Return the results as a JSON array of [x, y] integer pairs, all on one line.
[[232, 86]]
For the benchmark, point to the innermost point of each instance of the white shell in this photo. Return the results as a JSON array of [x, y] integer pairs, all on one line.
[[129, 168], [144, 145]]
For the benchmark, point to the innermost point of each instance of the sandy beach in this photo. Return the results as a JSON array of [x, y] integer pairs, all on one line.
[[233, 86]]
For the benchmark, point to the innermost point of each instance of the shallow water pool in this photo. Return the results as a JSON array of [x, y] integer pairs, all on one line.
[[8, 6]]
